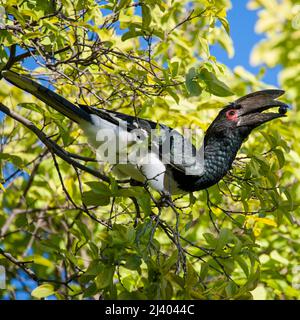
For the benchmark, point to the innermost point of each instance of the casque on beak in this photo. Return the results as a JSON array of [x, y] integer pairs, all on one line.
[[251, 107]]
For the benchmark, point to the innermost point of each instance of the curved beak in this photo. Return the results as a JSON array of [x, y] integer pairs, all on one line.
[[252, 106]]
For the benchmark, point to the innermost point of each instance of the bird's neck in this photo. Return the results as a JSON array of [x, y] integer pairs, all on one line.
[[219, 153]]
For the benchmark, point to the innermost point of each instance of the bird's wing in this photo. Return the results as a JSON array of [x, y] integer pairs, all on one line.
[[121, 119], [171, 147]]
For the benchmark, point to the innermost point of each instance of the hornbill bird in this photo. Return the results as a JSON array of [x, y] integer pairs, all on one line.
[[221, 143]]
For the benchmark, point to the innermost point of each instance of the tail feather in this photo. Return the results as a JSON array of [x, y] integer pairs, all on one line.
[[48, 96]]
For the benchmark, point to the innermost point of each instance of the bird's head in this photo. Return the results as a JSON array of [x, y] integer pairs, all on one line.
[[247, 113]]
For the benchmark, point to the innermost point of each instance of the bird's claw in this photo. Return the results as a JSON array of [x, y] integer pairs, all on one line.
[[165, 200]]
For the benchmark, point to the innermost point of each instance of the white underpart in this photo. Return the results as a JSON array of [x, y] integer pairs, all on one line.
[[154, 171], [148, 168]]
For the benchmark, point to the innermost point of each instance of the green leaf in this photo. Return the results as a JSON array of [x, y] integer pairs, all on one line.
[[16, 160], [174, 67], [99, 188], [170, 262], [46, 41], [243, 265], [122, 4], [131, 34], [133, 262], [146, 16], [225, 24], [210, 239], [43, 291], [91, 198], [94, 249], [70, 257], [130, 192], [32, 35], [122, 235], [253, 280], [21, 220], [32, 106], [213, 84], [173, 94], [83, 229], [224, 237], [13, 10], [204, 45], [204, 270], [280, 157], [231, 289], [105, 277], [145, 202], [191, 83], [90, 291], [94, 268], [192, 276]]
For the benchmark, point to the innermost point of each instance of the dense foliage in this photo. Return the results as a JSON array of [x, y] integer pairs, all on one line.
[[72, 233]]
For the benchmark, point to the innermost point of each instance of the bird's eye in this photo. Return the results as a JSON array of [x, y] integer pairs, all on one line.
[[232, 115]]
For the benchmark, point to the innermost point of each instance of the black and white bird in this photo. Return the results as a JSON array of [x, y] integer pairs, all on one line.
[[171, 164]]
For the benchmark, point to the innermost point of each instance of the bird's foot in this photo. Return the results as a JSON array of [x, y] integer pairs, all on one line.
[[165, 200]]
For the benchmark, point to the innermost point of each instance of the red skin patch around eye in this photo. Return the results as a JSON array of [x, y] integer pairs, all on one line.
[[232, 115]]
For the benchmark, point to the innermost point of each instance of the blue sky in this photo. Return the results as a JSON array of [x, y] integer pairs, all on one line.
[[242, 23]]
